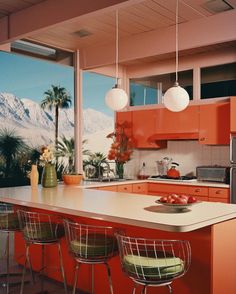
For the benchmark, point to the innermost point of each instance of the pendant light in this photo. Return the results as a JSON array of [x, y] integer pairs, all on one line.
[[116, 98], [176, 98]]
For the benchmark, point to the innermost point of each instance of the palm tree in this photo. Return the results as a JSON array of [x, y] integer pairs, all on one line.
[[10, 146], [56, 97], [66, 148]]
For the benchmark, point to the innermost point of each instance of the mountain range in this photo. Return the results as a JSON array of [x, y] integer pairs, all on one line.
[[37, 126]]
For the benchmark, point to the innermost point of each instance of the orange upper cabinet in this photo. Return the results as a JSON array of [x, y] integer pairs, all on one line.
[[144, 126], [214, 124], [178, 125], [125, 116], [233, 114]]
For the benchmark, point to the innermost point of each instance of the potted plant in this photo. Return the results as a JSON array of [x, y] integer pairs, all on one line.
[[65, 149]]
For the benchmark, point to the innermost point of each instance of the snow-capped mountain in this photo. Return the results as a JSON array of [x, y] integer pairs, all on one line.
[[36, 125]]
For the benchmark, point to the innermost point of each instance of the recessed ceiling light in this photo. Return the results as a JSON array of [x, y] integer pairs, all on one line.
[[82, 33], [217, 6]]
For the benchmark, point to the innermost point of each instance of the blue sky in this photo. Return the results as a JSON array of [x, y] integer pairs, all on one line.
[[29, 78]]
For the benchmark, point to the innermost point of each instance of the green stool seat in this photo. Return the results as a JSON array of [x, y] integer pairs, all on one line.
[[94, 246], [9, 221], [153, 268], [43, 232]]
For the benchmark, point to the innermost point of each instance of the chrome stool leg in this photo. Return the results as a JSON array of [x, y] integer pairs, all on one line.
[[8, 261], [135, 287], [92, 279], [76, 277], [42, 270], [24, 269], [62, 267], [144, 291], [109, 276], [170, 289]]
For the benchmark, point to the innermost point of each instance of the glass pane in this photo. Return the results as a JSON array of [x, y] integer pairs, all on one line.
[[218, 81], [149, 90], [23, 117]]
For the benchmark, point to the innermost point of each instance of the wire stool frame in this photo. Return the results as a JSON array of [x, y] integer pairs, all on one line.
[[153, 262], [8, 224], [41, 229], [91, 245]]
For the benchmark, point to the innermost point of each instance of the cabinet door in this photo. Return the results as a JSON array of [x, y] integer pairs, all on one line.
[[201, 193], [233, 114], [125, 116], [125, 188], [220, 193], [214, 124], [140, 188], [144, 126], [167, 189], [179, 123]]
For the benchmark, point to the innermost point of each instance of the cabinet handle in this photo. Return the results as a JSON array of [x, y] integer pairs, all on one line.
[[218, 192], [125, 188], [202, 139], [139, 187], [197, 190]]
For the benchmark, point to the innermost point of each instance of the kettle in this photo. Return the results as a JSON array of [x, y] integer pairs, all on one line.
[[173, 173], [163, 165]]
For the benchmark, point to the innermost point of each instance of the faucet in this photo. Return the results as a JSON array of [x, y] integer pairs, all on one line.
[[104, 168]]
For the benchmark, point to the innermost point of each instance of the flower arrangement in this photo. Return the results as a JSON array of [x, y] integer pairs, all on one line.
[[122, 146], [47, 155]]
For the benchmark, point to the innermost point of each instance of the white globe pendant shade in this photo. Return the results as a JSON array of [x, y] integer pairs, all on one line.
[[176, 99], [116, 99]]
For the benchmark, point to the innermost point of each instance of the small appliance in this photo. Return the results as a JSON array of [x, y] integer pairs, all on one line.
[[213, 173]]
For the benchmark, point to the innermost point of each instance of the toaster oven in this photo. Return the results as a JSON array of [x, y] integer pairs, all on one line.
[[213, 173]]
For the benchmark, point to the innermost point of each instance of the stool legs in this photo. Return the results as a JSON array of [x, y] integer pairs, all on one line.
[[170, 289], [109, 276], [144, 291], [76, 277], [92, 278], [134, 289], [62, 267], [27, 260]]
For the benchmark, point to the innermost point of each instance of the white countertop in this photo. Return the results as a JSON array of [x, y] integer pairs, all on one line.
[[91, 184], [132, 209]]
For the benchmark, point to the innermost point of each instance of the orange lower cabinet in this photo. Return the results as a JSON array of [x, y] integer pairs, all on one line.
[[233, 114], [222, 194], [140, 188], [108, 188], [222, 200], [167, 188], [201, 193], [125, 188]]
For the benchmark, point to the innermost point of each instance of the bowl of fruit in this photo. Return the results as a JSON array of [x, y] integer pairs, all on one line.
[[177, 202]]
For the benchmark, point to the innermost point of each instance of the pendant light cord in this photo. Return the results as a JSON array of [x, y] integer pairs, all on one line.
[[117, 46], [176, 42]]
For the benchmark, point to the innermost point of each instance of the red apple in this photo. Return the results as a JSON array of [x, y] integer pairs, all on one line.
[[163, 199], [181, 201], [192, 199]]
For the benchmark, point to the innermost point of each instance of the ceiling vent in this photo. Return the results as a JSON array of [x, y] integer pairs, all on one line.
[[82, 33], [217, 6]]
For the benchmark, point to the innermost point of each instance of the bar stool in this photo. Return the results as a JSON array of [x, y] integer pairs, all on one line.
[[40, 229], [153, 262], [8, 224], [91, 245]]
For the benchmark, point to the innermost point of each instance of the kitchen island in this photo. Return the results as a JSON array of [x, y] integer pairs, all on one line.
[[210, 228]]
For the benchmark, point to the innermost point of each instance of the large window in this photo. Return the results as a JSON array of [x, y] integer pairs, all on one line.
[[98, 118], [24, 81], [149, 90], [218, 81]]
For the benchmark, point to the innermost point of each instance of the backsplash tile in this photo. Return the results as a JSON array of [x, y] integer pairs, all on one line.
[[189, 155]]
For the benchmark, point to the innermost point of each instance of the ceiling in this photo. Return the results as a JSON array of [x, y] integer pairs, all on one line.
[[144, 16], [10, 6]]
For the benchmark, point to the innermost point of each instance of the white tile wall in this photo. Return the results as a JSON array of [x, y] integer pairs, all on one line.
[[189, 155]]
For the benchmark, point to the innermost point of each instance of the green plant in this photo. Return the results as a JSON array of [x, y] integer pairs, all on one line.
[[56, 97], [11, 145], [95, 159]]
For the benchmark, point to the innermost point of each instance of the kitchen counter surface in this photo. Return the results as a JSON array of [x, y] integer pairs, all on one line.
[[125, 208], [91, 184]]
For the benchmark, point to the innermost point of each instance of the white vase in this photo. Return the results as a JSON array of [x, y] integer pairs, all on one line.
[[34, 176]]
